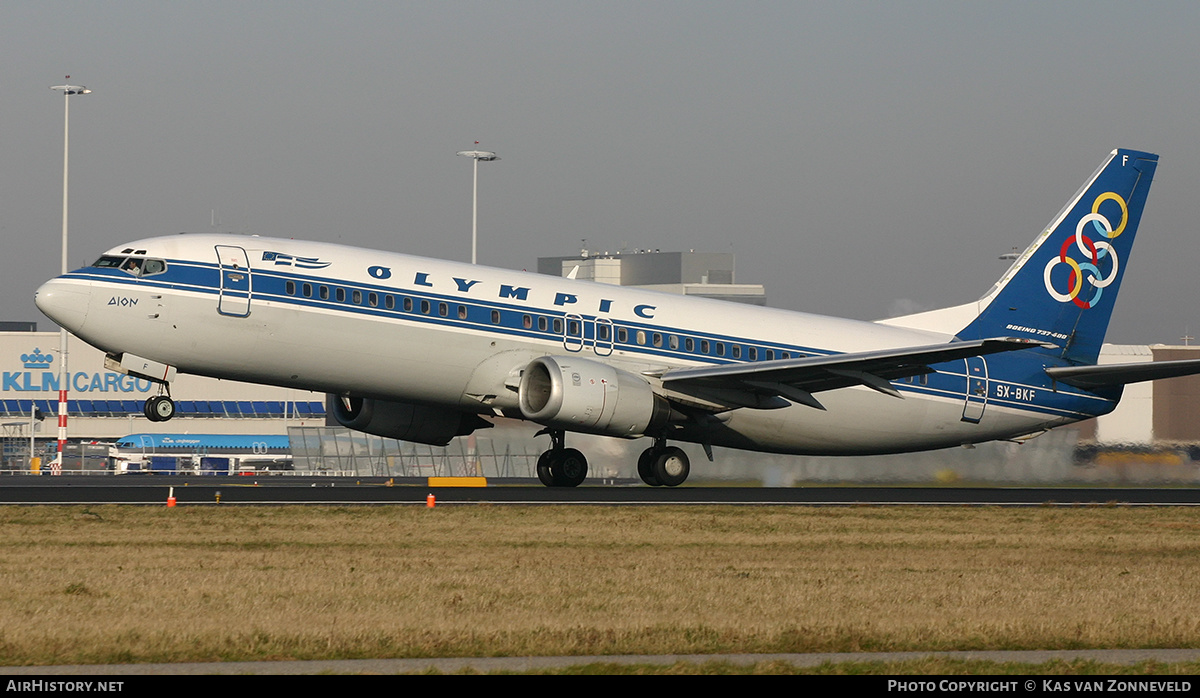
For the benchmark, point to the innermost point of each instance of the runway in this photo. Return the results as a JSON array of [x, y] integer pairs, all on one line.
[[153, 490]]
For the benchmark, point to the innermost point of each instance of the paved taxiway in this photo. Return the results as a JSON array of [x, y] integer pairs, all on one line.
[[519, 664], [149, 489]]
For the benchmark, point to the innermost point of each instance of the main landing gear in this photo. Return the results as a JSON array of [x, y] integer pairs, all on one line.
[[560, 467], [663, 465], [659, 465]]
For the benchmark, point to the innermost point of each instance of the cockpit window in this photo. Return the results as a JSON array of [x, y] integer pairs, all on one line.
[[138, 266]]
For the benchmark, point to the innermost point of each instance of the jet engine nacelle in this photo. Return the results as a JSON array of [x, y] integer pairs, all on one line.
[[405, 421], [582, 395]]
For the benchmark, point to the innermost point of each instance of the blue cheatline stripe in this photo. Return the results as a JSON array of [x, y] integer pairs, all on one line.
[[269, 286]]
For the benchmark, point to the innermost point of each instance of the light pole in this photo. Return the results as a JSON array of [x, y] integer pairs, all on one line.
[[68, 91], [476, 155]]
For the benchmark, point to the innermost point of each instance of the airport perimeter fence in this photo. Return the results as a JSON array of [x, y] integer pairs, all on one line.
[[338, 450], [1056, 457], [333, 451]]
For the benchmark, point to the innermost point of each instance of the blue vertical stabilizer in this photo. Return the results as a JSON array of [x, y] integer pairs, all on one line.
[[1061, 290]]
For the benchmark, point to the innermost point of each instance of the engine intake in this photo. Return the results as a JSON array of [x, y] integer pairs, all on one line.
[[583, 395]]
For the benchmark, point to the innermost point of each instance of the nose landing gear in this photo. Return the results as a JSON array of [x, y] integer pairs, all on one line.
[[159, 408]]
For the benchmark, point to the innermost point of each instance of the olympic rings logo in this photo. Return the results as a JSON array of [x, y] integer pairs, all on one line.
[[1093, 251]]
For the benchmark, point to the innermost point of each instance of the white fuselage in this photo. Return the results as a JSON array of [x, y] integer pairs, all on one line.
[[451, 334]]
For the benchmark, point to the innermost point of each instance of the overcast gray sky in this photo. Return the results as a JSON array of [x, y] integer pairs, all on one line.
[[859, 158]]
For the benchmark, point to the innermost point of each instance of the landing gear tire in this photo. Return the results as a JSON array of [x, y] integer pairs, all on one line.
[[564, 467], [569, 468], [544, 472], [671, 467], [159, 408], [646, 466]]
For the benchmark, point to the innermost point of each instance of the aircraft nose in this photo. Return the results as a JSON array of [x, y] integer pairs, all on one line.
[[64, 303]]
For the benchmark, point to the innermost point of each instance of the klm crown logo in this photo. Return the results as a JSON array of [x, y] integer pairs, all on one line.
[[37, 359]]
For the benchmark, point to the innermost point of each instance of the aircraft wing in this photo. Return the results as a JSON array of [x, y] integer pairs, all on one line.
[[773, 384], [1119, 374]]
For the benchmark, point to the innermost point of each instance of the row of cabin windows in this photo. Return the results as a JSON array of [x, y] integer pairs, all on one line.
[[657, 339], [673, 342], [574, 327], [324, 293], [339, 294]]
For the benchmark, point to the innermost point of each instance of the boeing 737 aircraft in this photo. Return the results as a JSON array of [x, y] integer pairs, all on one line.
[[426, 350]]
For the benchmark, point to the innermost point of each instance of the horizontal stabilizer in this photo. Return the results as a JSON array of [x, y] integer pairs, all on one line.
[[1087, 377]]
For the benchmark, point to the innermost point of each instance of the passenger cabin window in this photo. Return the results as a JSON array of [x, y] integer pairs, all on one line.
[[341, 295], [323, 291], [356, 297], [306, 290], [290, 287], [462, 312]]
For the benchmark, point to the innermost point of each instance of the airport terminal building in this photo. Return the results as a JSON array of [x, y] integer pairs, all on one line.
[[691, 273]]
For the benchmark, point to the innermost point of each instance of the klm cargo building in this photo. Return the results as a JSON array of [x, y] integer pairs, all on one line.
[[104, 405]]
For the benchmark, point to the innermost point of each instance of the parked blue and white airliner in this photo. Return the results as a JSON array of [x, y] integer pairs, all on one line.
[[426, 350]]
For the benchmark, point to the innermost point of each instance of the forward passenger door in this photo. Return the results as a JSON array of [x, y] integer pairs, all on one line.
[[235, 291]]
